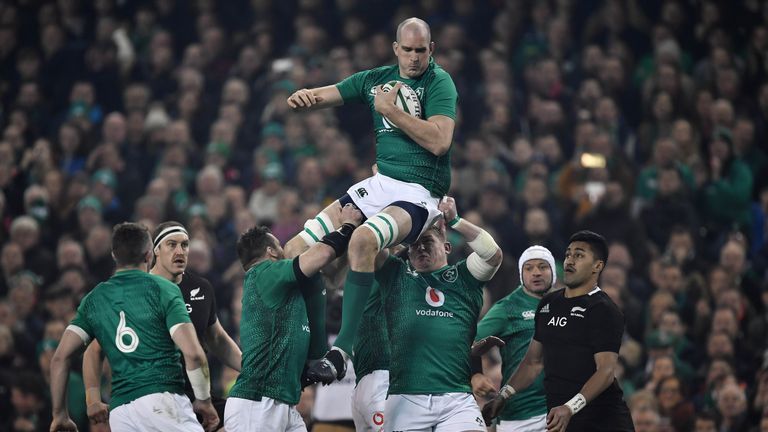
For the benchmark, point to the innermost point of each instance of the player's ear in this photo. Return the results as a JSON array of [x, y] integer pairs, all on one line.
[[599, 264], [448, 248], [431, 48], [394, 47]]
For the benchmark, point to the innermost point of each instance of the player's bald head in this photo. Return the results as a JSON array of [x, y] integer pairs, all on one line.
[[414, 24]]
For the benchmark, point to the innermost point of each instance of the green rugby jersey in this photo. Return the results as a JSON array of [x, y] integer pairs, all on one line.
[[372, 344], [431, 321], [274, 334], [512, 320], [397, 155], [131, 315]]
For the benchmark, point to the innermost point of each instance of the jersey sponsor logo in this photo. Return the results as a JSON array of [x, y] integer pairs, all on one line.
[[450, 275], [420, 92], [480, 421], [361, 192], [434, 297], [189, 307], [193, 295], [378, 418], [434, 313], [578, 311], [305, 327], [545, 309], [558, 321], [528, 315]]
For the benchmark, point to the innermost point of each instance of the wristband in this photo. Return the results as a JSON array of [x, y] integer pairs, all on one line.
[[576, 403], [339, 239], [507, 392], [198, 378], [455, 221]]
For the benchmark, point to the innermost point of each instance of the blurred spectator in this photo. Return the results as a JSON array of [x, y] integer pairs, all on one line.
[[732, 407], [724, 198]]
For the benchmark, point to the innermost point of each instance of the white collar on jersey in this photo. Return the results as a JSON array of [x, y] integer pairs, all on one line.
[[597, 289]]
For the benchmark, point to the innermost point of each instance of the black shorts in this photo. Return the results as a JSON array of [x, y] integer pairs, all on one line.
[[611, 418]]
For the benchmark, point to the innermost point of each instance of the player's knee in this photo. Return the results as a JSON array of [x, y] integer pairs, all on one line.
[[317, 228], [363, 243], [381, 230]]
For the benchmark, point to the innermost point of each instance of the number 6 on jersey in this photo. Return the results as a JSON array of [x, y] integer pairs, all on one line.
[[122, 331]]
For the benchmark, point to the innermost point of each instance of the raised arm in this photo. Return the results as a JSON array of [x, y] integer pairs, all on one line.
[[434, 134], [223, 347], [332, 245], [316, 98], [487, 255]]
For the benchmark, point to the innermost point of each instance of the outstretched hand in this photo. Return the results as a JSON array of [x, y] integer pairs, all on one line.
[[303, 98]]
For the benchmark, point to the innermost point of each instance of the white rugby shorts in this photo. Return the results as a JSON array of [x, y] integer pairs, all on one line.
[[155, 412], [374, 194], [447, 412], [368, 400], [533, 424], [244, 415]]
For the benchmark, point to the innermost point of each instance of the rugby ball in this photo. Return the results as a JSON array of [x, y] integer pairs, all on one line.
[[407, 100]]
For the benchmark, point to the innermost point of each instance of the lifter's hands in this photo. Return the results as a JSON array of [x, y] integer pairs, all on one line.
[[205, 409], [448, 207], [303, 99], [351, 214]]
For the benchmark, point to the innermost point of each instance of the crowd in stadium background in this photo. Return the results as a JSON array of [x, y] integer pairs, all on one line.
[[643, 120]]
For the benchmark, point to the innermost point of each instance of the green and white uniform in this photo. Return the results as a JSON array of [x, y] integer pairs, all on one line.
[[406, 171], [397, 155], [131, 315], [512, 320], [431, 322], [274, 337]]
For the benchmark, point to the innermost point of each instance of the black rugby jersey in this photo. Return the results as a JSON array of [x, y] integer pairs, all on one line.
[[572, 331]]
